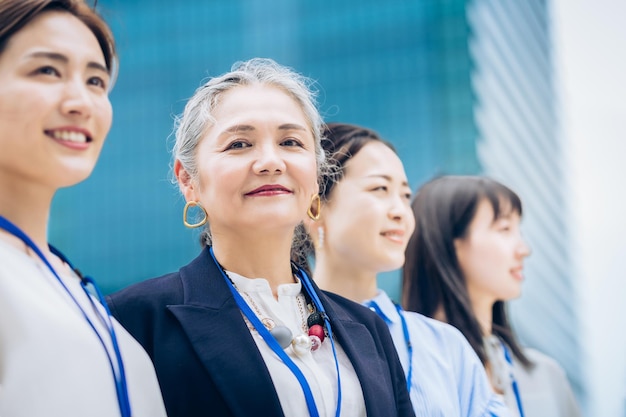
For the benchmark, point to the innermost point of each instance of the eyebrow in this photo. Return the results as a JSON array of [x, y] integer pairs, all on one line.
[[55, 56], [388, 178], [249, 128]]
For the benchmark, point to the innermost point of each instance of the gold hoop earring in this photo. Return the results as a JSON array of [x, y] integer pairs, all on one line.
[[315, 216], [198, 224]]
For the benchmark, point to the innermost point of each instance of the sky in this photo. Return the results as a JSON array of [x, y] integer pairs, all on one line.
[[590, 52]]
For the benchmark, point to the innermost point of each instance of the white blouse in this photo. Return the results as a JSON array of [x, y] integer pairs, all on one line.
[[318, 367], [543, 388], [51, 361]]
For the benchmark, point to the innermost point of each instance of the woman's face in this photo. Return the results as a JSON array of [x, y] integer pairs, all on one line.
[[54, 107], [491, 255], [256, 164], [368, 219]]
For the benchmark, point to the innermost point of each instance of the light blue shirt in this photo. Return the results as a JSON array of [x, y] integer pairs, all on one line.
[[447, 379]]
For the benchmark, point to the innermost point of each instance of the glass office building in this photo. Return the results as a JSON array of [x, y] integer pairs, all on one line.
[[460, 87]]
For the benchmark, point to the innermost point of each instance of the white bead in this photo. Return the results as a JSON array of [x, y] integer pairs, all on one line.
[[301, 344], [316, 342]]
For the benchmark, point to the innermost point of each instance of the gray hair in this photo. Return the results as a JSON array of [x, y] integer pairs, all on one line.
[[198, 114], [197, 117]]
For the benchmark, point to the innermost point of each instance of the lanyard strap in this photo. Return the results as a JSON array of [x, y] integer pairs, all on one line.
[[409, 346], [405, 330], [518, 398], [273, 344], [118, 373]]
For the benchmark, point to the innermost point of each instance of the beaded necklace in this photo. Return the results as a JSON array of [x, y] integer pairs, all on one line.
[[312, 324], [273, 343]]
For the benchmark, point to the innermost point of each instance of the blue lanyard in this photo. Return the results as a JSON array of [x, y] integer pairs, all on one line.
[[118, 374], [405, 330], [409, 346], [518, 398], [273, 344]]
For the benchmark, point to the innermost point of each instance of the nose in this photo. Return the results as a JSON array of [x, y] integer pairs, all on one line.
[[77, 101], [398, 209], [523, 249], [269, 160]]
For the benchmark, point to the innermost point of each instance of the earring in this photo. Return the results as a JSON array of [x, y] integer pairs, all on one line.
[[197, 224], [320, 237], [315, 216]]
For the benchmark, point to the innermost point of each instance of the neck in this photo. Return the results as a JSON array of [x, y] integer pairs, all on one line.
[[28, 208], [344, 278], [483, 310], [262, 256]]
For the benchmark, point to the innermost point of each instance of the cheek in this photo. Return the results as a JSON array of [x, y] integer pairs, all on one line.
[[310, 175], [104, 113], [410, 222]]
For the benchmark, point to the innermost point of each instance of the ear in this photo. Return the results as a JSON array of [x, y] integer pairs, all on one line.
[[314, 229], [185, 182], [460, 247], [311, 225]]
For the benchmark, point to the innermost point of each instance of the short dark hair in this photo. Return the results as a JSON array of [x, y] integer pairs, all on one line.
[[341, 142], [16, 14], [432, 276]]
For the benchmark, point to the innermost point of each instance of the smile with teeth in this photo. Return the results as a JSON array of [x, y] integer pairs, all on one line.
[[70, 136]]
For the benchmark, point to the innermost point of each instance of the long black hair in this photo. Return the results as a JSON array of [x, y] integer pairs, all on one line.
[[432, 276]]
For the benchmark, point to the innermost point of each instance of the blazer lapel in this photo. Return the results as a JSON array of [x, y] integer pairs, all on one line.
[[358, 344], [215, 327]]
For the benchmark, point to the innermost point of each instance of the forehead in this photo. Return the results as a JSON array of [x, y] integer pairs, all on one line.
[[486, 210], [257, 102], [56, 31], [375, 159]]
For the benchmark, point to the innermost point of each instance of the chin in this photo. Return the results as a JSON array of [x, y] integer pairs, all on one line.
[[73, 179]]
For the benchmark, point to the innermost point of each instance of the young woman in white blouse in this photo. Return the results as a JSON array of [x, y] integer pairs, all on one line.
[[464, 261], [61, 354]]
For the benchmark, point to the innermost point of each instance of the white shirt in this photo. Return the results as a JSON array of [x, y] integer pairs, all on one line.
[[51, 361], [543, 388], [317, 366]]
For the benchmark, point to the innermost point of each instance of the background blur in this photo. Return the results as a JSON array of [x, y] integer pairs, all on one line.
[[528, 92]]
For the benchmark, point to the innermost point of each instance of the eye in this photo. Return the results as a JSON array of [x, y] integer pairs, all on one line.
[[291, 142], [504, 226], [47, 70], [383, 188], [238, 144], [98, 82], [408, 196]]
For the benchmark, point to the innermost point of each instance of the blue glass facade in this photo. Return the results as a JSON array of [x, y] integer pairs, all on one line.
[[458, 86], [401, 68]]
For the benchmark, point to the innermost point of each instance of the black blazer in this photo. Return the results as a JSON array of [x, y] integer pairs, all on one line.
[[208, 364]]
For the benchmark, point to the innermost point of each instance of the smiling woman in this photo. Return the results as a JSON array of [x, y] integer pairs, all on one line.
[[364, 227], [60, 351], [242, 330]]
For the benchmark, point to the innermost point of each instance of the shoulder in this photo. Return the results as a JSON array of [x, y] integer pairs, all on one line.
[[435, 330], [545, 365], [347, 309], [545, 384], [166, 289]]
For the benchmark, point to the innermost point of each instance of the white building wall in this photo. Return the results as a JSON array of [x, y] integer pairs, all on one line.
[[590, 42], [519, 144]]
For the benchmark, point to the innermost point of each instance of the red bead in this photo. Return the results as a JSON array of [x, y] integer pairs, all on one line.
[[317, 330]]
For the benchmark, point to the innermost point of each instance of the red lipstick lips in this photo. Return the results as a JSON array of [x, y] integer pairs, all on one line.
[[269, 190]]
